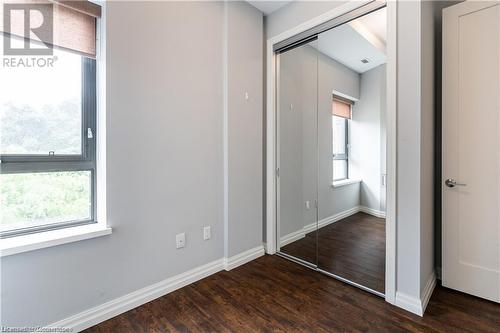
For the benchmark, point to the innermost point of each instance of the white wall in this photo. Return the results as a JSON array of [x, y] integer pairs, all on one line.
[[366, 153], [165, 170]]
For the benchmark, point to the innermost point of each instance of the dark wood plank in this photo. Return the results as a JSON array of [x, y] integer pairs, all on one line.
[[272, 294], [353, 248]]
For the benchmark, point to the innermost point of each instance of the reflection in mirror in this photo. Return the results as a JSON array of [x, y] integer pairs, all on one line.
[[351, 148], [297, 152], [331, 151]]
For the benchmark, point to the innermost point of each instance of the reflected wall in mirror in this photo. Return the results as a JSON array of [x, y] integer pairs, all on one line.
[[297, 152], [351, 146]]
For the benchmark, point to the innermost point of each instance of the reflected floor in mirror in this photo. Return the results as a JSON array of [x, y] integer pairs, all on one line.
[[352, 248]]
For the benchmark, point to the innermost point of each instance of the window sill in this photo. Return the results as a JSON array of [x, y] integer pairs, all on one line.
[[25, 243], [345, 182]]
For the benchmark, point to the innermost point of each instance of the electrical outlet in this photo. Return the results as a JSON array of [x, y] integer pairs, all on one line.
[[180, 240], [207, 232]]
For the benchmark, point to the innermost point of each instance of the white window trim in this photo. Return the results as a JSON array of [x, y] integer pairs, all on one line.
[[345, 182], [101, 199], [41, 240]]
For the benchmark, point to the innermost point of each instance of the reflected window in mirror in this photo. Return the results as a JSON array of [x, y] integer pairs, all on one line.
[[341, 115]]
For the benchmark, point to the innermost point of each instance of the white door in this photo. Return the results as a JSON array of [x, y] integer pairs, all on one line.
[[471, 148]]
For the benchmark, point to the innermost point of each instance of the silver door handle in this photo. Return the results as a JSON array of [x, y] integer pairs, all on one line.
[[450, 182]]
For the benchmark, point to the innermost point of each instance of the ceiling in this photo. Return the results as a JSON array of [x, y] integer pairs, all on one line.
[[376, 22], [267, 7], [361, 39]]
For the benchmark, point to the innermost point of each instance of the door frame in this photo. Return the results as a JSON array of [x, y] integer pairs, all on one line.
[[391, 123]]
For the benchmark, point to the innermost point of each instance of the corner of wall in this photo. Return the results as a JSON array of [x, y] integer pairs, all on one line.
[[243, 148], [417, 305]]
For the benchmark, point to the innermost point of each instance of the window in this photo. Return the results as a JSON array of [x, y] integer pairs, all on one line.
[[341, 113], [340, 151], [48, 117], [47, 136]]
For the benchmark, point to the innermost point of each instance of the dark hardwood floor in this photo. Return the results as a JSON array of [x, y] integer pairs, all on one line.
[[353, 248], [272, 294]]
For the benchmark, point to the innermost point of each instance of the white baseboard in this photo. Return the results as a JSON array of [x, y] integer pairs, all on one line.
[[100, 313], [415, 305], [244, 257], [428, 290], [296, 235], [268, 249], [409, 303], [373, 212], [292, 237], [310, 227], [337, 217]]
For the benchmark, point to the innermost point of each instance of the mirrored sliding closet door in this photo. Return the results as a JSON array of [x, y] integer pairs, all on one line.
[[331, 116], [297, 129], [351, 147]]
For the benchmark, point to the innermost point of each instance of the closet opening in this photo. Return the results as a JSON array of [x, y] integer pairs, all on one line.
[[330, 148]]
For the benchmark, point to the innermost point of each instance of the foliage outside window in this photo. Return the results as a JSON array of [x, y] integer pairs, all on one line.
[[47, 145]]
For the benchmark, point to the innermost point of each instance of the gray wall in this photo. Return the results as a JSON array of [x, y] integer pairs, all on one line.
[[297, 139], [245, 75], [421, 48], [427, 143], [164, 162], [408, 149], [383, 141], [366, 137]]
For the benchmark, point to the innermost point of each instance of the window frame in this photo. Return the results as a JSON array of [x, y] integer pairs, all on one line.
[[86, 161], [345, 156]]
